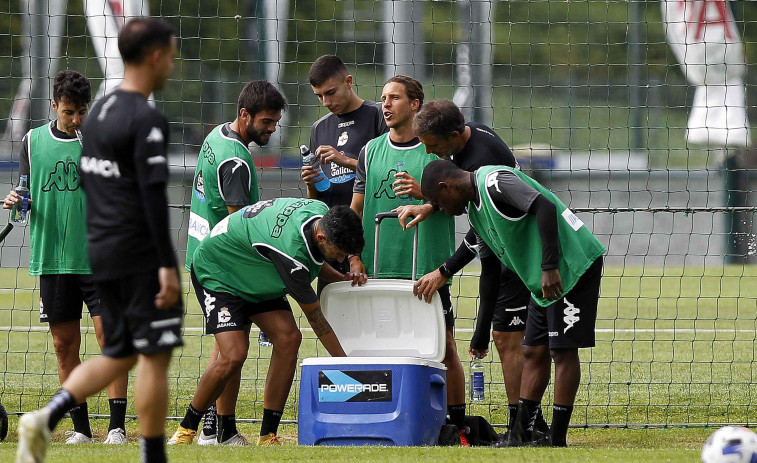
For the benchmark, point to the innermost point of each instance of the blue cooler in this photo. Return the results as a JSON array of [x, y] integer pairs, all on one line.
[[391, 389]]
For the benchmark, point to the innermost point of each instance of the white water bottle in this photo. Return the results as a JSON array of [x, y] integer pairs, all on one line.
[[477, 393], [309, 159]]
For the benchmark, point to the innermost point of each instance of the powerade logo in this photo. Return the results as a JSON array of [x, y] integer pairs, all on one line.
[[355, 386]]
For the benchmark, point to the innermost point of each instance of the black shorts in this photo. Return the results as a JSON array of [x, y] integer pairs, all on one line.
[[568, 323], [511, 309], [131, 322], [61, 297], [227, 312], [446, 297]]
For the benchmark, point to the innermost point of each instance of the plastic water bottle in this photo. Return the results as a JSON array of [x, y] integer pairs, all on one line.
[[404, 199], [19, 210], [309, 159], [476, 386], [264, 341]]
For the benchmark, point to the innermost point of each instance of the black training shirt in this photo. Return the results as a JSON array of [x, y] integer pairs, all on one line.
[[348, 133], [124, 170]]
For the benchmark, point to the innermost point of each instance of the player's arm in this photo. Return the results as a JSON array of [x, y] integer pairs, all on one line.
[[151, 164], [358, 190], [296, 278], [327, 153], [429, 283], [235, 184], [24, 168], [510, 192], [332, 275], [309, 175]]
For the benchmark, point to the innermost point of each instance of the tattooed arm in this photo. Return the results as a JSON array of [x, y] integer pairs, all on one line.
[[322, 329]]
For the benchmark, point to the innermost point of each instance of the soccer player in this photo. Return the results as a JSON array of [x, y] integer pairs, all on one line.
[[337, 137], [225, 181], [241, 274], [384, 179], [441, 127], [560, 261], [124, 173], [50, 161]]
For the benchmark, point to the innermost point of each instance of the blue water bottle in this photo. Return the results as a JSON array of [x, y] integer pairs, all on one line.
[[309, 159], [264, 341], [20, 209]]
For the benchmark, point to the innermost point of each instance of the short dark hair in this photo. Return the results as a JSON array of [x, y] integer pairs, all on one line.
[[439, 118], [141, 35], [344, 229], [326, 67], [73, 87], [413, 88], [437, 171], [260, 95]]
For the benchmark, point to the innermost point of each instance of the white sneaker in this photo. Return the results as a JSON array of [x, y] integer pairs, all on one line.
[[235, 440], [206, 439], [73, 437], [116, 436], [33, 436]]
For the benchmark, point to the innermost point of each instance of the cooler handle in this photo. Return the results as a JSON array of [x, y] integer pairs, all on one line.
[[393, 215]]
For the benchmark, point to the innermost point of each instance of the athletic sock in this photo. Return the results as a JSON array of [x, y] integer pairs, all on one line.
[[192, 418], [560, 421], [209, 426], [513, 408], [541, 424], [227, 427], [153, 449], [457, 415], [117, 414], [59, 405], [524, 423], [271, 420], [80, 417]]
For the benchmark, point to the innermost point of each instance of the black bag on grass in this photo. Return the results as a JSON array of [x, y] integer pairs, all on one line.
[[480, 432]]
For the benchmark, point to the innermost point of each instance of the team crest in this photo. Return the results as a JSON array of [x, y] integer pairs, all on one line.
[[224, 318], [343, 139], [200, 187]]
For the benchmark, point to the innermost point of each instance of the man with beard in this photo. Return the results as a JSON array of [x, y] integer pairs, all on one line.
[[224, 182]]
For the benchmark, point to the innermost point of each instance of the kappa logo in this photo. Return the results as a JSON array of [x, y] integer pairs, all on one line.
[[283, 217], [65, 177], [209, 304], [42, 313], [343, 139], [516, 321], [345, 124], [385, 188], [168, 338], [571, 316], [155, 136]]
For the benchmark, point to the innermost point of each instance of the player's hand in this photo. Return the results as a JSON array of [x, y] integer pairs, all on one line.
[[428, 285], [169, 288], [310, 175], [356, 265], [551, 284], [356, 278], [419, 212], [327, 153], [405, 184], [11, 199], [478, 353]]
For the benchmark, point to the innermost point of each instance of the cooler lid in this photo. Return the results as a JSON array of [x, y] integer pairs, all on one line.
[[369, 361], [384, 319]]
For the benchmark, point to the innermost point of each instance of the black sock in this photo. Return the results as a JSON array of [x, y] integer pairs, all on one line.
[[209, 426], [271, 420], [457, 415], [153, 449], [541, 424], [227, 427], [192, 418], [117, 414], [560, 421], [524, 423], [80, 417], [513, 408], [59, 405]]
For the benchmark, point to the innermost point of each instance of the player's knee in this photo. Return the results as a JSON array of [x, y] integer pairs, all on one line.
[[288, 341], [65, 342], [534, 353], [564, 356], [508, 343]]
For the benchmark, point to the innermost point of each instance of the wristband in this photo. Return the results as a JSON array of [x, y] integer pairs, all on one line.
[[445, 273]]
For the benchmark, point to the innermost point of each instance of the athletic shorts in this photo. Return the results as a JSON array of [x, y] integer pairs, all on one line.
[[511, 309], [449, 316], [61, 297], [131, 322], [568, 323], [227, 312]]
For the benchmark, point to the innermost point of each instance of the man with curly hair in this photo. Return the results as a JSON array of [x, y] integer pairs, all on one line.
[[49, 161]]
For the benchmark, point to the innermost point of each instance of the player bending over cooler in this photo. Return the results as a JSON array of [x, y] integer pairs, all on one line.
[[242, 273]]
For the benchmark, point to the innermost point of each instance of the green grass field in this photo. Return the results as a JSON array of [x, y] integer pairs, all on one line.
[[675, 348]]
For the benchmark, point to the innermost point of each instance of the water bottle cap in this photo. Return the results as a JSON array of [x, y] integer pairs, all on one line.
[[304, 150]]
